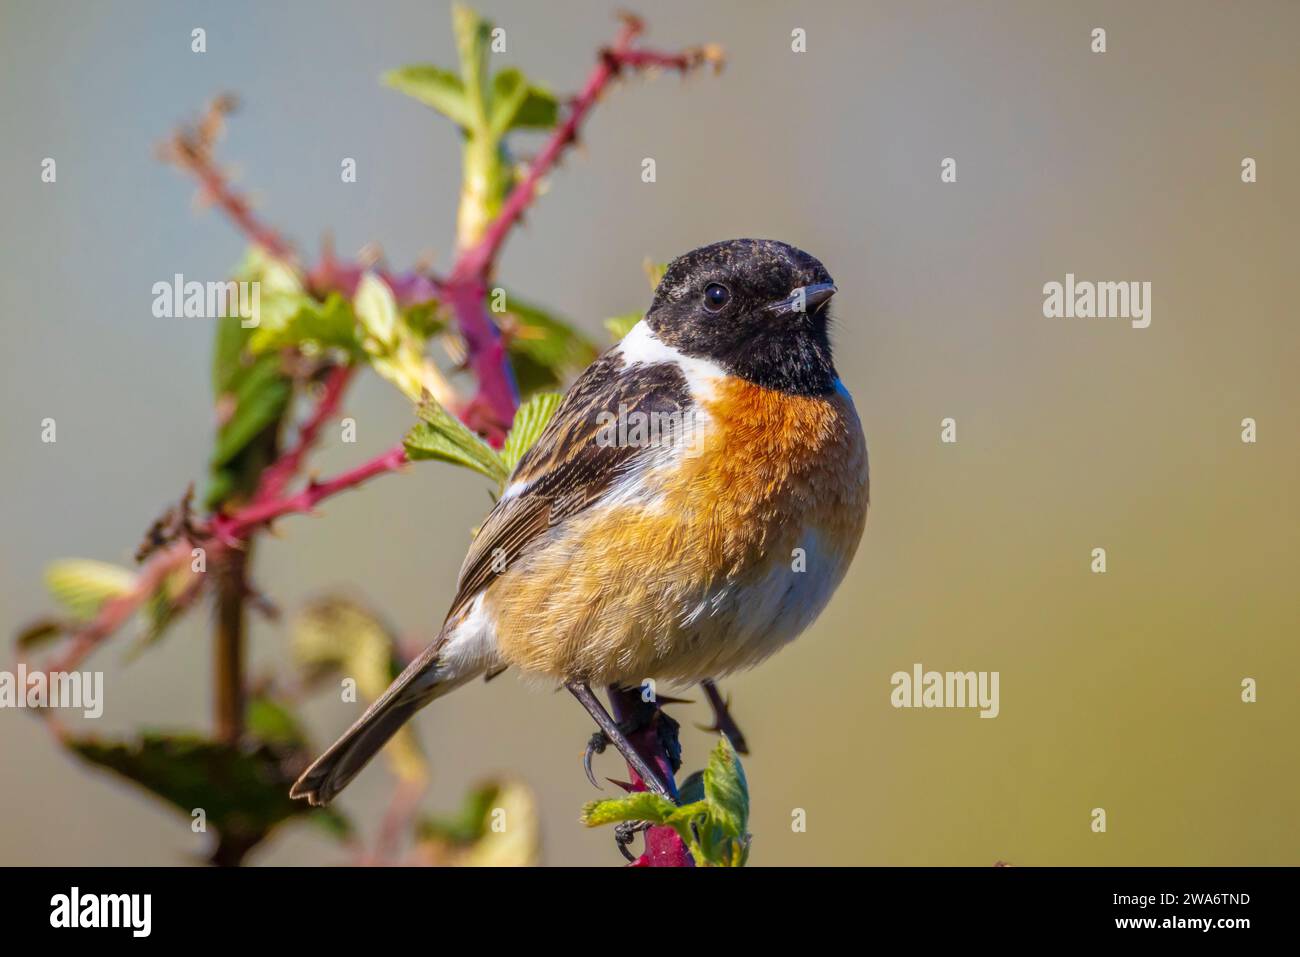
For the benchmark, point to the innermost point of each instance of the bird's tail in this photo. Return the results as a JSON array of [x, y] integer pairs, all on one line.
[[424, 679]]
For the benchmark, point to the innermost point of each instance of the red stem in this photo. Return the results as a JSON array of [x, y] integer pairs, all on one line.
[[232, 528], [466, 285], [663, 845], [279, 473]]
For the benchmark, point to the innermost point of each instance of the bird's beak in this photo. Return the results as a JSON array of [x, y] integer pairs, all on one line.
[[804, 299]]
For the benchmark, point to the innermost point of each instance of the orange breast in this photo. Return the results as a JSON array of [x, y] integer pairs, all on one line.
[[680, 588]]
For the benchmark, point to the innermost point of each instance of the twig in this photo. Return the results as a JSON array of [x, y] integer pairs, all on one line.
[[466, 286], [190, 148], [278, 475], [116, 611], [231, 529]]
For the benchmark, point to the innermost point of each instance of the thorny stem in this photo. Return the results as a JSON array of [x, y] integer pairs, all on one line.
[[232, 528], [466, 286], [282, 470], [663, 845], [228, 647]]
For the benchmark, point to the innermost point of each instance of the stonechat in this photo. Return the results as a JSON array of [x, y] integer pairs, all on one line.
[[689, 509]]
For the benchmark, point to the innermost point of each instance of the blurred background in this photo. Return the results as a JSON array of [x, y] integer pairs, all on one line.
[[1119, 691]]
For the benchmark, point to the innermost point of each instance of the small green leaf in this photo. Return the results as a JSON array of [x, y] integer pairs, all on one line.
[[442, 436], [435, 87], [468, 824], [637, 806], [82, 585], [530, 421], [260, 396], [376, 309], [162, 609], [424, 319], [516, 104], [473, 35], [619, 326], [497, 826], [544, 349], [268, 720], [726, 790], [243, 791], [300, 321], [332, 635], [540, 111]]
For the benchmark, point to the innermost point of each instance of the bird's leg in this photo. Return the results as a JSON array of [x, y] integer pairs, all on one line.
[[722, 719], [614, 734]]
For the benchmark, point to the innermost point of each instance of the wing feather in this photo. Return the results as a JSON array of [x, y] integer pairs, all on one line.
[[571, 467]]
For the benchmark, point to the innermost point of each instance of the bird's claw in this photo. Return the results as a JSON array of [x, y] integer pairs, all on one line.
[[596, 745], [625, 832]]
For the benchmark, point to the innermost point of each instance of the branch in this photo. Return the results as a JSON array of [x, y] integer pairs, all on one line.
[[282, 470], [466, 286], [190, 148], [115, 612], [231, 529]]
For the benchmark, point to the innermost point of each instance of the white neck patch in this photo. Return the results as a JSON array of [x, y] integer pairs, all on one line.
[[642, 346]]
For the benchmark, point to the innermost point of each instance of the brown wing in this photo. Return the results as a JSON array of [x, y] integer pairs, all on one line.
[[568, 468]]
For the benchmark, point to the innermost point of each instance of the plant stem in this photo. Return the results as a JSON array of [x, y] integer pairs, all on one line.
[[228, 650], [663, 846]]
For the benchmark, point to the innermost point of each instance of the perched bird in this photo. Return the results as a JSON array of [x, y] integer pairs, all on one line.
[[689, 509]]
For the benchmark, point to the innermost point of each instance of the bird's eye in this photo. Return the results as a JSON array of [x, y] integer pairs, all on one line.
[[716, 296]]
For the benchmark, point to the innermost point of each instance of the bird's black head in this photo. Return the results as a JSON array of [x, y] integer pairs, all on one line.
[[756, 307]]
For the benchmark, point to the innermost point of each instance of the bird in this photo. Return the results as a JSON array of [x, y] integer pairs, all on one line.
[[688, 510]]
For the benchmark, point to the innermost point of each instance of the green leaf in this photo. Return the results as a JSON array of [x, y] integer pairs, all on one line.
[[334, 634], [82, 585], [468, 824], [544, 349], [471, 837], [529, 423], [435, 87], [540, 111], [726, 790], [442, 436], [299, 321], [244, 792], [278, 283], [637, 806], [424, 319], [619, 326], [517, 104], [377, 310], [260, 397], [161, 609], [268, 720], [473, 35]]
